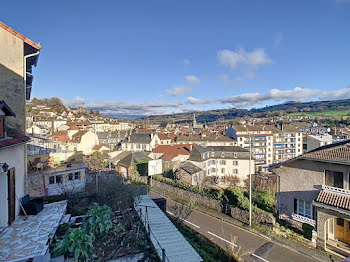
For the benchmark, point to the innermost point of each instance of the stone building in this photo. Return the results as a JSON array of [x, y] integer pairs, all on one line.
[[314, 189], [190, 173], [18, 55]]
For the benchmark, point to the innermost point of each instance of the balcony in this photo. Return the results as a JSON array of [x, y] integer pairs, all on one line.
[[336, 190], [303, 219]]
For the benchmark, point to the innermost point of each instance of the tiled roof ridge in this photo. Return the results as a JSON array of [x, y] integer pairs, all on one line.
[[20, 36]]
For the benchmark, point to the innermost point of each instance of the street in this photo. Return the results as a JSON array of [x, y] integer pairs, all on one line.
[[252, 247]]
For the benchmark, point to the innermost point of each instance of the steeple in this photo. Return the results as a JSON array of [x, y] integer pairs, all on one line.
[[194, 121]]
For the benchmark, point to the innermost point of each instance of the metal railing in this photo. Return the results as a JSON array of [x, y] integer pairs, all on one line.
[[303, 219], [163, 255], [336, 189]]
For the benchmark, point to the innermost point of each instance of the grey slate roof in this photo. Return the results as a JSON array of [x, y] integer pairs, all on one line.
[[132, 158], [140, 138], [190, 168], [201, 153]]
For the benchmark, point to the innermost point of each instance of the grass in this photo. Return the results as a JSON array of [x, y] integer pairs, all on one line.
[[326, 113], [209, 251]]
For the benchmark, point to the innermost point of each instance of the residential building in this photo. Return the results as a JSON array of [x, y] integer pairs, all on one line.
[[175, 153], [269, 144], [18, 55], [126, 165], [49, 181], [83, 141], [222, 161], [314, 189], [140, 142], [316, 141], [190, 173], [208, 140], [111, 138]]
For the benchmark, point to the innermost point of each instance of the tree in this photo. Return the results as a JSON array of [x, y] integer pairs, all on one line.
[[91, 111]]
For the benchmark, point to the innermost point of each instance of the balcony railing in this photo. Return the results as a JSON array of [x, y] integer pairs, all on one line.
[[303, 219], [336, 189]]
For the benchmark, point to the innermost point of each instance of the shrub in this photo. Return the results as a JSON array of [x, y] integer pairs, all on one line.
[[98, 220], [264, 200], [236, 197], [75, 243], [307, 231]]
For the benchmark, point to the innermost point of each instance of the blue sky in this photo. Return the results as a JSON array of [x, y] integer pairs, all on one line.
[[155, 57]]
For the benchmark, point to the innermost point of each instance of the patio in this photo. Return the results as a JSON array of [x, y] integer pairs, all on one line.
[[29, 237]]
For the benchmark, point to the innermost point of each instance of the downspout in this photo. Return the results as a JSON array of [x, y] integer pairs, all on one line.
[[25, 86]]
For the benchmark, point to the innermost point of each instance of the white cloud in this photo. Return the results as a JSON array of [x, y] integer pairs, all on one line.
[[196, 101], [233, 59], [277, 95], [178, 90], [278, 39], [187, 61], [192, 79], [75, 102]]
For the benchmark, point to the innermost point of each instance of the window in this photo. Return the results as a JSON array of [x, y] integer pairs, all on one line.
[[235, 163], [222, 170], [70, 176], [52, 180], [303, 208], [212, 154], [77, 175], [222, 154], [340, 222], [235, 171], [58, 179], [222, 162], [334, 179], [235, 155]]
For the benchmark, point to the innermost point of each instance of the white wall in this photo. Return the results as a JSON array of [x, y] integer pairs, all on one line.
[[14, 157]]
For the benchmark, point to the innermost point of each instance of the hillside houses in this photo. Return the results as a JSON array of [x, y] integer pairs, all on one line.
[[140, 142]]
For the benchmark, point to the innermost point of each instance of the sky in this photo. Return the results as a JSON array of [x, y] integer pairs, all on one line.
[[155, 57]]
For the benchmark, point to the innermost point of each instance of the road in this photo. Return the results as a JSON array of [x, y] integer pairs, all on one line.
[[253, 247]]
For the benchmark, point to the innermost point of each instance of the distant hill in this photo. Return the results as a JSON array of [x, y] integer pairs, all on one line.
[[273, 110]]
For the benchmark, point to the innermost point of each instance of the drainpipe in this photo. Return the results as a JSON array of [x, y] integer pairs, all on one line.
[[25, 85]]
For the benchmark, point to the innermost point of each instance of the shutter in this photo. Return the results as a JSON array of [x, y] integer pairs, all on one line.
[[295, 206]]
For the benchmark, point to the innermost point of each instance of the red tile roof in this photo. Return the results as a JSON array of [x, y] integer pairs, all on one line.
[[61, 136], [20, 36], [13, 140], [339, 152], [334, 199], [172, 151]]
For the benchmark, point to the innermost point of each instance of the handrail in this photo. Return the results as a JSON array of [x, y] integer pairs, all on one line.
[[336, 189], [164, 256]]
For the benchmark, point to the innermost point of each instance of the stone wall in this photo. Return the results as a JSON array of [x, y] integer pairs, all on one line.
[[205, 201], [264, 182], [235, 212]]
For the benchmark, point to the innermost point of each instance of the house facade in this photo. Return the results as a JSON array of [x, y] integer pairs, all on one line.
[[140, 142], [222, 162], [314, 189]]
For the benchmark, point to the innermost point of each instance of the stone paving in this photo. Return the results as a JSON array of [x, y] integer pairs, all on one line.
[[28, 238]]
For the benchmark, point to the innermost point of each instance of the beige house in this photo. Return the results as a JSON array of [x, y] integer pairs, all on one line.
[[17, 56], [222, 162], [314, 189], [83, 141]]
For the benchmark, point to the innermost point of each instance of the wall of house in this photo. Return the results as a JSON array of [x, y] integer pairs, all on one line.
[[88, 141], [302, 179], [12, 89], [14, 157]]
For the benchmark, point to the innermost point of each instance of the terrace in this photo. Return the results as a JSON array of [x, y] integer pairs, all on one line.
[[30, 236]]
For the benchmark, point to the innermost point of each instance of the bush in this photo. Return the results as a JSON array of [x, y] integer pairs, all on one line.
[[307, 231], [264, 200], [98, 220], [75, 243]]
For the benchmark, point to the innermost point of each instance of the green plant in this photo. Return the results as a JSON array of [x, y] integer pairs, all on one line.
[[98, 220], [75, 243], [264, 200], [307, 231]]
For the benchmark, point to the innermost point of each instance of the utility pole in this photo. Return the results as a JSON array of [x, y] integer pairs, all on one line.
[[250, 177]]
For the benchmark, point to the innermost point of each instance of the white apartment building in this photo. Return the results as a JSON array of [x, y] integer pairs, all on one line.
[[222, 161], [269, 144]]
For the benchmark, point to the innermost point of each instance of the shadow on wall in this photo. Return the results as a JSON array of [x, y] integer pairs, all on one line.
[[12, 91]]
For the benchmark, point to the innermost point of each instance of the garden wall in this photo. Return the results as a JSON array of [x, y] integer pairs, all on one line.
[[235, 212]]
